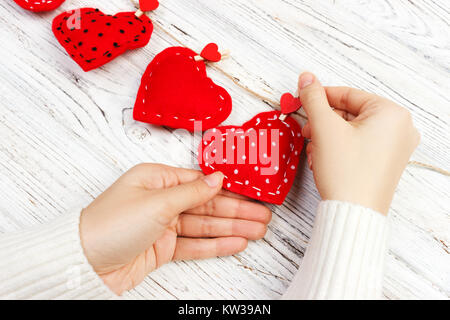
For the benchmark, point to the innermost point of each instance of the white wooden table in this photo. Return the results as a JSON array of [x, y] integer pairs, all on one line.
[[66, 135]]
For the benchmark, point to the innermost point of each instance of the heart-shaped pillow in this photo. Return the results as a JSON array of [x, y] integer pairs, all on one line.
[[39, 5], [93, 38], [176, 92], [259, 159]]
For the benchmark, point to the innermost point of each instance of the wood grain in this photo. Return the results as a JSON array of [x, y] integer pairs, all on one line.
[[66, 135]]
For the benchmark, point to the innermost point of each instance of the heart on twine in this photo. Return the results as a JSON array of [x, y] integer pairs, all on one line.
[[176, 92], [39, 5], [148, 5], [289, 104], [258, 159], [93, 39], [211, 53]]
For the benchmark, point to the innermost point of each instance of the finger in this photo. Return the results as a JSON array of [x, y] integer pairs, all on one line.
[[186, 175], [173, 176], [309, 148], [170, 202], [156, 176], [314, 100], [348, 99], [306, 131], [195, 226], [309, 154], [226, 207], [189, 249], [345, 115], [230, 194]]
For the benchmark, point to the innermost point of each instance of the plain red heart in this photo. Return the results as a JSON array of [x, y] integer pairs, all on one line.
[[176, 92], [289, 104], [211, 53], [93, 38], [39, 5], [148, 5], [249, 161]]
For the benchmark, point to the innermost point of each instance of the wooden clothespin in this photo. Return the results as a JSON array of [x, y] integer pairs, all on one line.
[[211, 53]]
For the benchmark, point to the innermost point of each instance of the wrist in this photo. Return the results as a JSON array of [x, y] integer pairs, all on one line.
[[351, 204], [380, 205], [86, 239]]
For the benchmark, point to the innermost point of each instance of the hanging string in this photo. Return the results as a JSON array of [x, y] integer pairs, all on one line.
[[429, 166], [275, 103], [236, 81], [270, 101]]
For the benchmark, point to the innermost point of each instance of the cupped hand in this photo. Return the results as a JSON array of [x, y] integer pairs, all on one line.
[[154, 214], [360, 143]]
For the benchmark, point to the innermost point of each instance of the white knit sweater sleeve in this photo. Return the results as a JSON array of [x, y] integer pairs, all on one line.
[[47, 262], [344, 259], [345, 256]]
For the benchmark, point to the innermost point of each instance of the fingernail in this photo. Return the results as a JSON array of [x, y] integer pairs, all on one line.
[[306, 78], [213, 180]]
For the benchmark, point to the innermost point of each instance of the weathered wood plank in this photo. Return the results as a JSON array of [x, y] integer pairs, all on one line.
[[67, 135]]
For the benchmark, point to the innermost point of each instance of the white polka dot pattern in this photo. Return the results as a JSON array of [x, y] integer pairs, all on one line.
[[270, 176]]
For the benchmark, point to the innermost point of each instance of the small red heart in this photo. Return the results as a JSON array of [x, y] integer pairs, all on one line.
[[39, 5], [148, 5], [258, 159], [93, 38], [176, 92], [289, 104], [211, 53]]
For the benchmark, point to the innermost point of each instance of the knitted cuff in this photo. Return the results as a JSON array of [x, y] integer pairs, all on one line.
[[345, 256], [48, 262]]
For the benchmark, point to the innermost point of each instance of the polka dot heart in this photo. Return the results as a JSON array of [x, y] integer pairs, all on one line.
[[259, 159], [93, 38], [176, 92], [39, 5]]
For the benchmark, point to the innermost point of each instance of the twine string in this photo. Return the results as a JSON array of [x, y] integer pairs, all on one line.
[[430, 167], [275, 103]]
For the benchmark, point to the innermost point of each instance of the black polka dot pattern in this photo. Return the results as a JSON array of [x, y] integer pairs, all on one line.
[[96, 38]]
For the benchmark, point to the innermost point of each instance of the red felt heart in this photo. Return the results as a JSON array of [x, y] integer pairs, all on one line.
[[176, 92], [289, 104], [259, 159], [148, 5], [93, 39], [39, 5], [211, 53]]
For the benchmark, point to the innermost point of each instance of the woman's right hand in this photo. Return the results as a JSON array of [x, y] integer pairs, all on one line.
[[155, 214], [360, 143]]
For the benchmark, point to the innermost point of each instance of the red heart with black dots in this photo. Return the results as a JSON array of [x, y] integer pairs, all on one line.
[[148, 5], [258, 159], [39, 5], [289, 104], [176, 92], [211, 53], [93, 38]]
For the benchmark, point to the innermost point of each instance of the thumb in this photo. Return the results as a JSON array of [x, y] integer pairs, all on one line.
[[189, 195], [314, 99]]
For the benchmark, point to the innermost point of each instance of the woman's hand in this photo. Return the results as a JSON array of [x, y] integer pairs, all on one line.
[[359, 150], [154, 214]]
